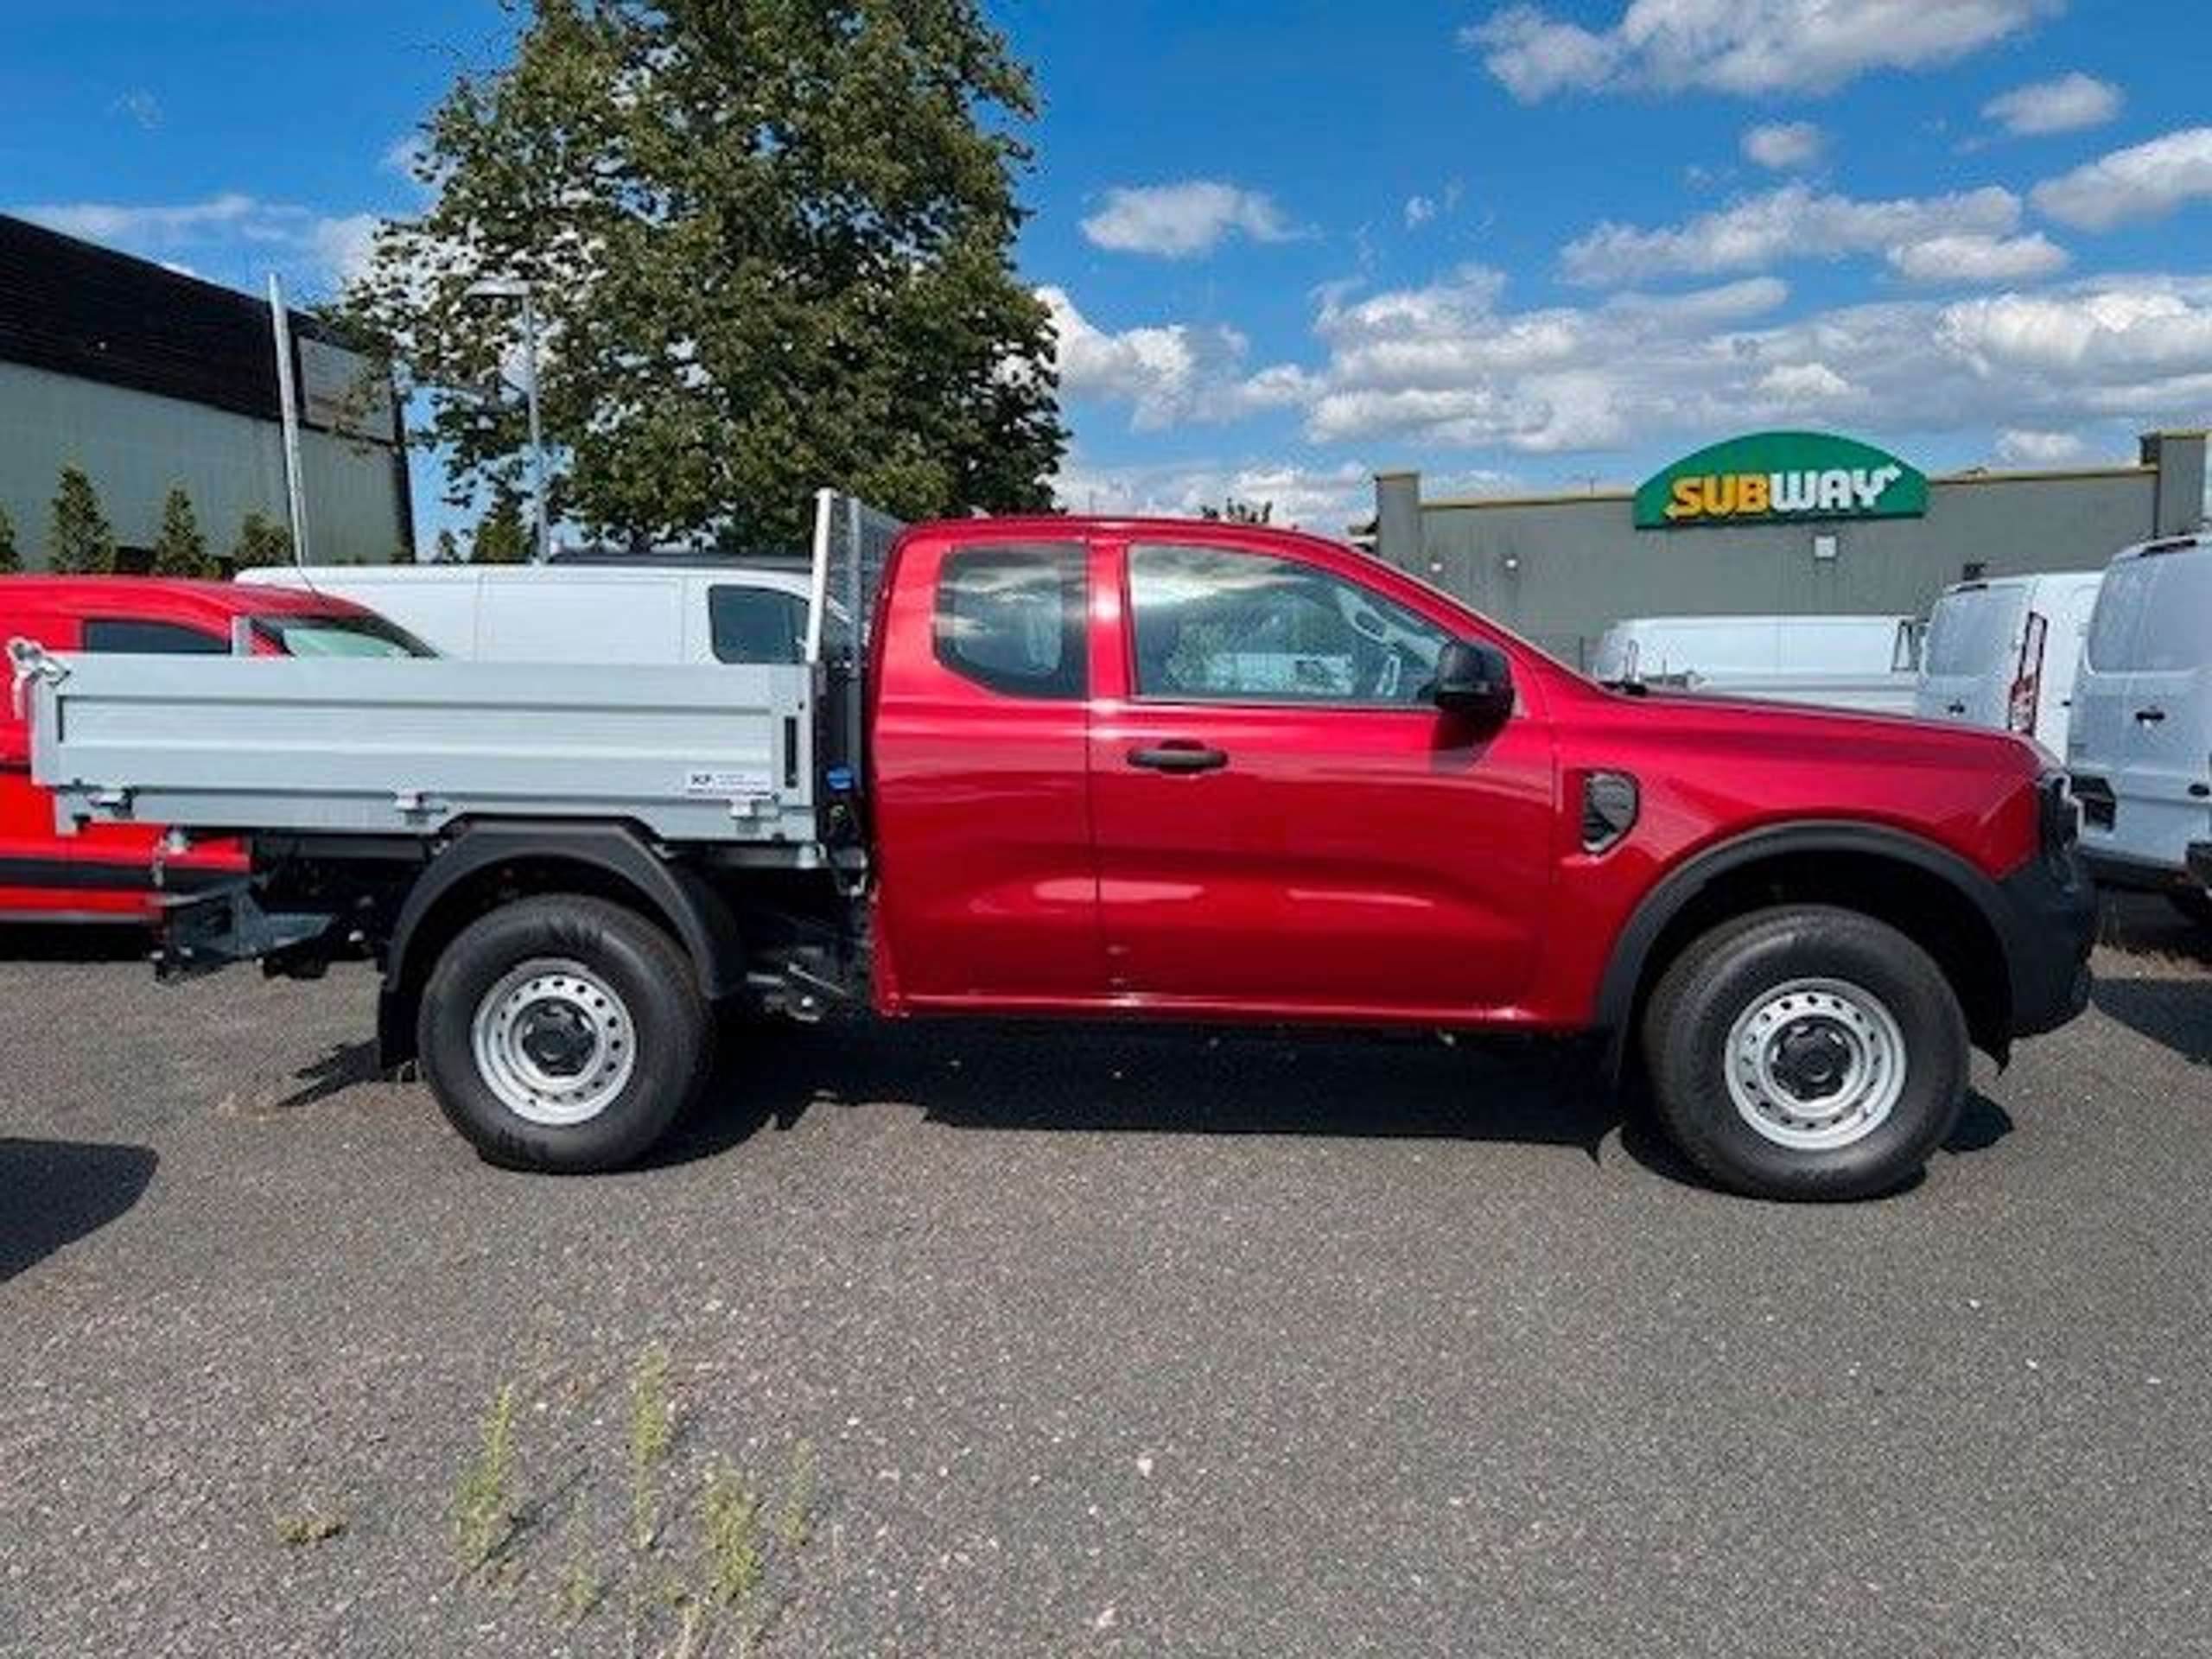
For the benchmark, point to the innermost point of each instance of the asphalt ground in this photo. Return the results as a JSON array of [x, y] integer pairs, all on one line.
[[1093, 1342]]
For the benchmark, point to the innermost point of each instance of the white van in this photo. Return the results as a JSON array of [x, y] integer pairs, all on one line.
[[1840, 662], [2141, 745], [2003, 653], [584, 612]]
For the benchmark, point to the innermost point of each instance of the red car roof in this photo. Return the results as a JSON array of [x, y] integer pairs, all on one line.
[[167, 595]]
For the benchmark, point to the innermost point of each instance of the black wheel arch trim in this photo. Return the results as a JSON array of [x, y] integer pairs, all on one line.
[[1631, 952], [702, 922]]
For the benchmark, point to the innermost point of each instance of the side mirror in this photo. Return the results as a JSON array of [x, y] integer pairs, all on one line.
[[1473, 681]]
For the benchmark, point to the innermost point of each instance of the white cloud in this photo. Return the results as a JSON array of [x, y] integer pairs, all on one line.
[[1169, 373], [1419, 211], [1784, 145], [242, 230], [2065, 104], [139, 107], [2148, 181], [1804, 383], [2031, 447], [1450, 367], [1176, 221], [1324, 500], [1789, 222], [1743, 46], [1974, 257]]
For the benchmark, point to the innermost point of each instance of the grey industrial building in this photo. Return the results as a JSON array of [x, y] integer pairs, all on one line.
[[150, 380], [1559, 569]]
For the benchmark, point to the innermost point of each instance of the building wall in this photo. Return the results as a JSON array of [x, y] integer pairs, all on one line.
[[1559, 570], [136, 447]]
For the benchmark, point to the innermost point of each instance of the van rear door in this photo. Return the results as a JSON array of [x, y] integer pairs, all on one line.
[[2165, 790], [1972, 654]]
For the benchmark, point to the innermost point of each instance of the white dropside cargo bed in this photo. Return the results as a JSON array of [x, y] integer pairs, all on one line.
[[711, 753]]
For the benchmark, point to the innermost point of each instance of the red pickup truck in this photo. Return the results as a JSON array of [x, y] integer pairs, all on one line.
[[106, 875], [1200, 771]]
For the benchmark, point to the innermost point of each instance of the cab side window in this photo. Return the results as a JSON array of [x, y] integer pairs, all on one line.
[[1216, 627], [1013, 618], [126, 635]]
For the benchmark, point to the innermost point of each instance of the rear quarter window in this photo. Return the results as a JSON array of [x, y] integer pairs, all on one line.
[[1011, 618]]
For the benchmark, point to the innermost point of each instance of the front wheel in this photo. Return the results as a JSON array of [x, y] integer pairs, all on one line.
[[564, 1033], [1807, 1052]]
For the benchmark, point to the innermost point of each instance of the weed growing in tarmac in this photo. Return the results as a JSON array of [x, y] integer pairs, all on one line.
[[731, 1516], [652, 1430], [795, 1519], [483, 1506], [704, 1568], [297, 1528]]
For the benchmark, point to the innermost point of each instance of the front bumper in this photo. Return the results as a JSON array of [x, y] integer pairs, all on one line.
[[2047, 912]]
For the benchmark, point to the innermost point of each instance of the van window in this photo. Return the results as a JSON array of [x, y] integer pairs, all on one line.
[[756, 625], [1971, 631], [1012, 618], [125, 635], [2151, 615]]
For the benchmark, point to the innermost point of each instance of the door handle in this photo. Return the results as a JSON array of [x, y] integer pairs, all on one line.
[[2151, 716], [1179, 756]]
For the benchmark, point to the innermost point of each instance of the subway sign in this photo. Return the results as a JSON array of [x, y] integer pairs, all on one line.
[[1781, 477]]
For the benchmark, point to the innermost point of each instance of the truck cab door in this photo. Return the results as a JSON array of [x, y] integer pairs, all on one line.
[[1285, 824], [979, 786]]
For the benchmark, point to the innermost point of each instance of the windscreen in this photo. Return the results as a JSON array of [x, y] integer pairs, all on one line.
[[339, 636], [1971, 632], [2152, 615]]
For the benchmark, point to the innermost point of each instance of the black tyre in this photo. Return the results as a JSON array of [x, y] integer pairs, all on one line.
[[1807, 1052], [2194, 904], [564, 1033]]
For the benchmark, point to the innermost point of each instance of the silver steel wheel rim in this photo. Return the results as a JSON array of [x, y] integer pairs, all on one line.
[[554, 1042], [1816, 1065]]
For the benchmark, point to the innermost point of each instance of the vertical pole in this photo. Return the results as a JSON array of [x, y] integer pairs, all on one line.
[[537, 432], [288, 402]]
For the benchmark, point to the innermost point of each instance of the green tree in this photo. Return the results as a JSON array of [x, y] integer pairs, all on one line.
[[11, 560], [262, 541], [771, 247], [80, 541], [501, 536], [180, 549], [447, 551]]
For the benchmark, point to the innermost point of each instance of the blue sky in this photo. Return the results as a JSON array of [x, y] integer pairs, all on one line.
[[1524, 246]]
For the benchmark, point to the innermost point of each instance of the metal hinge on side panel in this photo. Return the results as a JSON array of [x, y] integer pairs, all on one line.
[[28, 661]]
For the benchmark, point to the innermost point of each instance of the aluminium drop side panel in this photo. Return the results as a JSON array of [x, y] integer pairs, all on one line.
[[692, 752]]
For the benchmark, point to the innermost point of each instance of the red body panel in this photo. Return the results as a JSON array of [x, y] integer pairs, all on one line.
[[1358, 864], [104, 872]]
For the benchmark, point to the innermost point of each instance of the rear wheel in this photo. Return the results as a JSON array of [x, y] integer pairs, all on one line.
[[564, 1033], [1807, 1052]]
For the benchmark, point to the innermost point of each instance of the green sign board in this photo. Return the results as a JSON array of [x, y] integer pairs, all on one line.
[[1781, 477]]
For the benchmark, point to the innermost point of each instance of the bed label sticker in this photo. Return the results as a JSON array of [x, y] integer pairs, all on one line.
[[723, 782]]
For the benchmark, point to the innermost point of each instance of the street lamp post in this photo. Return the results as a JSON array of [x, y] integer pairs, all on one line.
[[513, 288]]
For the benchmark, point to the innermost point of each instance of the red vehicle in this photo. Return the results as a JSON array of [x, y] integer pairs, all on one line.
[[106, 873], [1173, 771]]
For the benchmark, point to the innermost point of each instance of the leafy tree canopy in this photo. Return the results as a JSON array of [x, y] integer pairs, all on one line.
[[180, 549], [262, 541], [771, 244], [80, 541]]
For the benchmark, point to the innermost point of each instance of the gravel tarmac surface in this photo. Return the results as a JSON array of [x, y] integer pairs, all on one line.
[[1090, 1342]]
